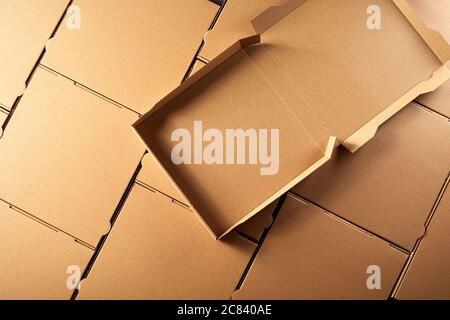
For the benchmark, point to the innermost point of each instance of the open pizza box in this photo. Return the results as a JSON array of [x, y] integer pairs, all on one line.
[[314, 74]]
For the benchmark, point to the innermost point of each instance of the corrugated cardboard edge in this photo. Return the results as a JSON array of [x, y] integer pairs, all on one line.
[[435, 41]]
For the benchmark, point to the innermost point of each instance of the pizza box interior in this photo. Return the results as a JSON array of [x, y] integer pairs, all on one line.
[[313, 71]]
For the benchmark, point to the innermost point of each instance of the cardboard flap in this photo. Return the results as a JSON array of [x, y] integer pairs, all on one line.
[[196, 77], [274, 14], [436, 14], [153, 176], [332, 143], [143, 47], [294, 100], [233, 24], [303, 46], [434, 39], [361, 137], [308, 250]]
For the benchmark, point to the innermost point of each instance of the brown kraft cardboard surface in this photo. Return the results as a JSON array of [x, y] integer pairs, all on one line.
[[233, 24], [26, 27], [388, 187], [67, 156], [307, 255], [142, 48], [436, 15], [36, 261], [153, 177], [293, 83], [427, 276], [159, 250]]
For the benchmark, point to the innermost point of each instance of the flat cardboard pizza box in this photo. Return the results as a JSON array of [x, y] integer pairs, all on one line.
[[159, 250], [131, 51], [36, 259], [26, 26], [310, 254], [308, 77], [67, 156], [427, 276], [233, 23], [396, 177]]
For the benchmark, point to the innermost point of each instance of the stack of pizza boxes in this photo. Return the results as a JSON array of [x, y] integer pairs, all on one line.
[[264, 149]]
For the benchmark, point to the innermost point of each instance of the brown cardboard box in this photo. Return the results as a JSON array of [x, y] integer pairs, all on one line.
[[67, 156], [427, 276], [299, 91], [153, 177], [233, 24], [159, 250], [389, 187], [35, 260], [26, 26], [143, 48], [307, 255], [436, 14]]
